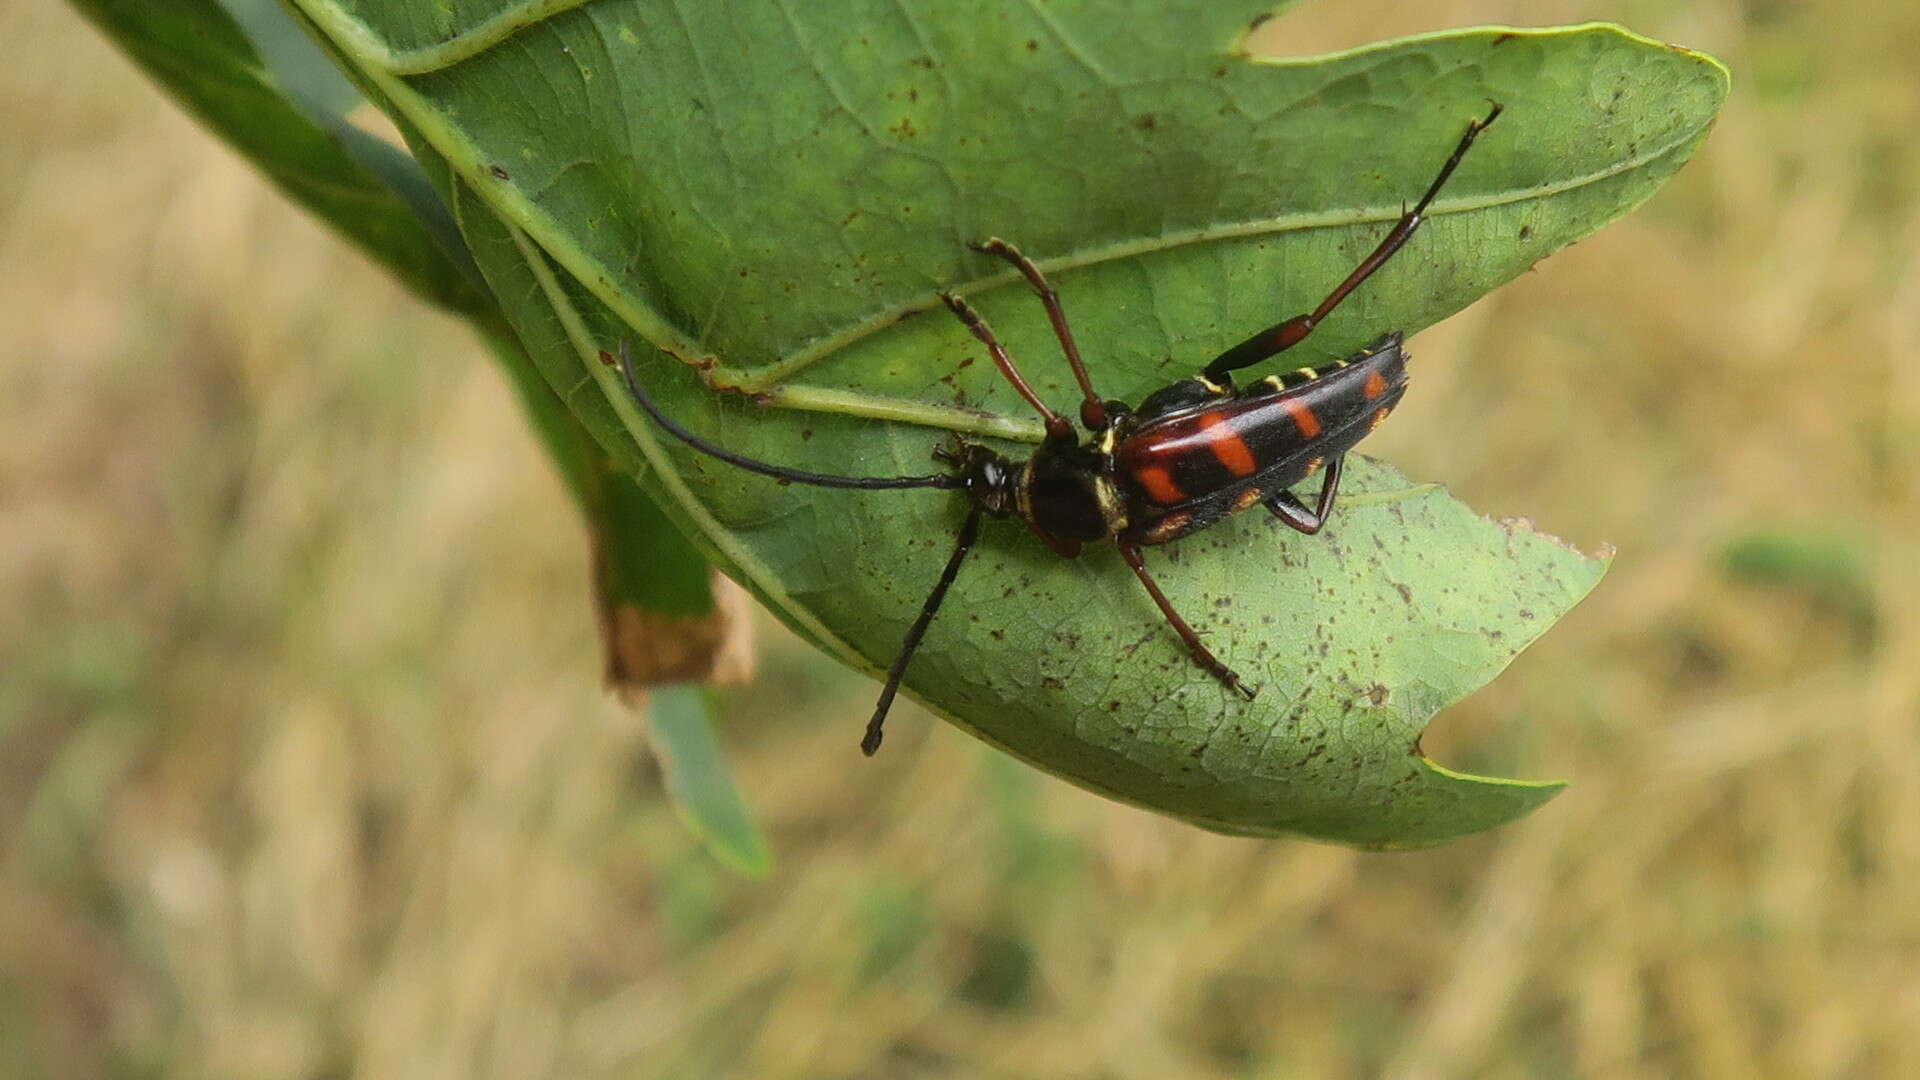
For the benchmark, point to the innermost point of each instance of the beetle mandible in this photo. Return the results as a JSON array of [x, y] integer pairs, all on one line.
[[1188, 456]]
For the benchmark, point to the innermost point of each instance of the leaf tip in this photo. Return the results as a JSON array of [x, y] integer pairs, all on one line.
[[1724, 76], [1466, 803], [1515, 526], [752, 858], [699, 783]]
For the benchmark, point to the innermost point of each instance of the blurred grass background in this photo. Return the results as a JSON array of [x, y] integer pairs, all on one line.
[[272, 806]]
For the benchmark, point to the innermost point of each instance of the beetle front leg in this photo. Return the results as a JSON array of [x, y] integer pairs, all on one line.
[[1294, 513], [1093, 411], [1057, 425], [1201, 654]]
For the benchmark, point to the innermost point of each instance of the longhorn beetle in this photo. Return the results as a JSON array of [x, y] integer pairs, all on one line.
[[1191, 454]]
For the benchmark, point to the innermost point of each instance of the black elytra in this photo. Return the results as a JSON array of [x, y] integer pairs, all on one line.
[[1188, 456]]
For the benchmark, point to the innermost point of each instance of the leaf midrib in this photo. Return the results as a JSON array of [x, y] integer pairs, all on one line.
[[769, 376]]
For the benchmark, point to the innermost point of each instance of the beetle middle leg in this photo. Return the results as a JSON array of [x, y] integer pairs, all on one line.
[[1295, 513], [1201, 654]]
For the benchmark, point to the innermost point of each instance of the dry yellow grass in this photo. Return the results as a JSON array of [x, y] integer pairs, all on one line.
[[271, 805]]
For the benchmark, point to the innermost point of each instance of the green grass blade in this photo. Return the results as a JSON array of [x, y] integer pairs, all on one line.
[[699, 782]]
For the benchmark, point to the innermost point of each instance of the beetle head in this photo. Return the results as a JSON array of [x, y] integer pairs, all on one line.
[[992, 482]]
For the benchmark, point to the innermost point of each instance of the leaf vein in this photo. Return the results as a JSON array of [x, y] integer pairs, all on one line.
[[766, 377]]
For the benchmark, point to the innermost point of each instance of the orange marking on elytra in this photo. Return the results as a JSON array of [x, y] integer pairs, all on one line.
[[1159, 484], [1228, 448], [1303, 417], [1376, 385]]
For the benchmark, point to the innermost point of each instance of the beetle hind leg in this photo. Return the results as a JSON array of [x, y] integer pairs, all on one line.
[[1295, 513], [1195, 647], [1285, 335]]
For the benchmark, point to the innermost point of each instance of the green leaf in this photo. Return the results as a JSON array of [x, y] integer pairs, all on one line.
[[248, 70], [369, 191], [654, 592], [695, 770], [768, 191]]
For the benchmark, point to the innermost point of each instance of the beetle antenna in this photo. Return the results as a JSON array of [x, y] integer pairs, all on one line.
[[778, 472], [969, 532]]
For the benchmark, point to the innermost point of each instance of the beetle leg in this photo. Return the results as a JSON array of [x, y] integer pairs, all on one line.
[[1057, 425], [969, 533], [1285, 335], [1093, 412], [1201, 654], [1294, 512]]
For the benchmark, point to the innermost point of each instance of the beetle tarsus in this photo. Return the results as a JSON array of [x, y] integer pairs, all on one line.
[[1196, 648]]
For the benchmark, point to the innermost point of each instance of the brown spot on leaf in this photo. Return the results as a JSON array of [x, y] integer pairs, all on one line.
[[645, 649]]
